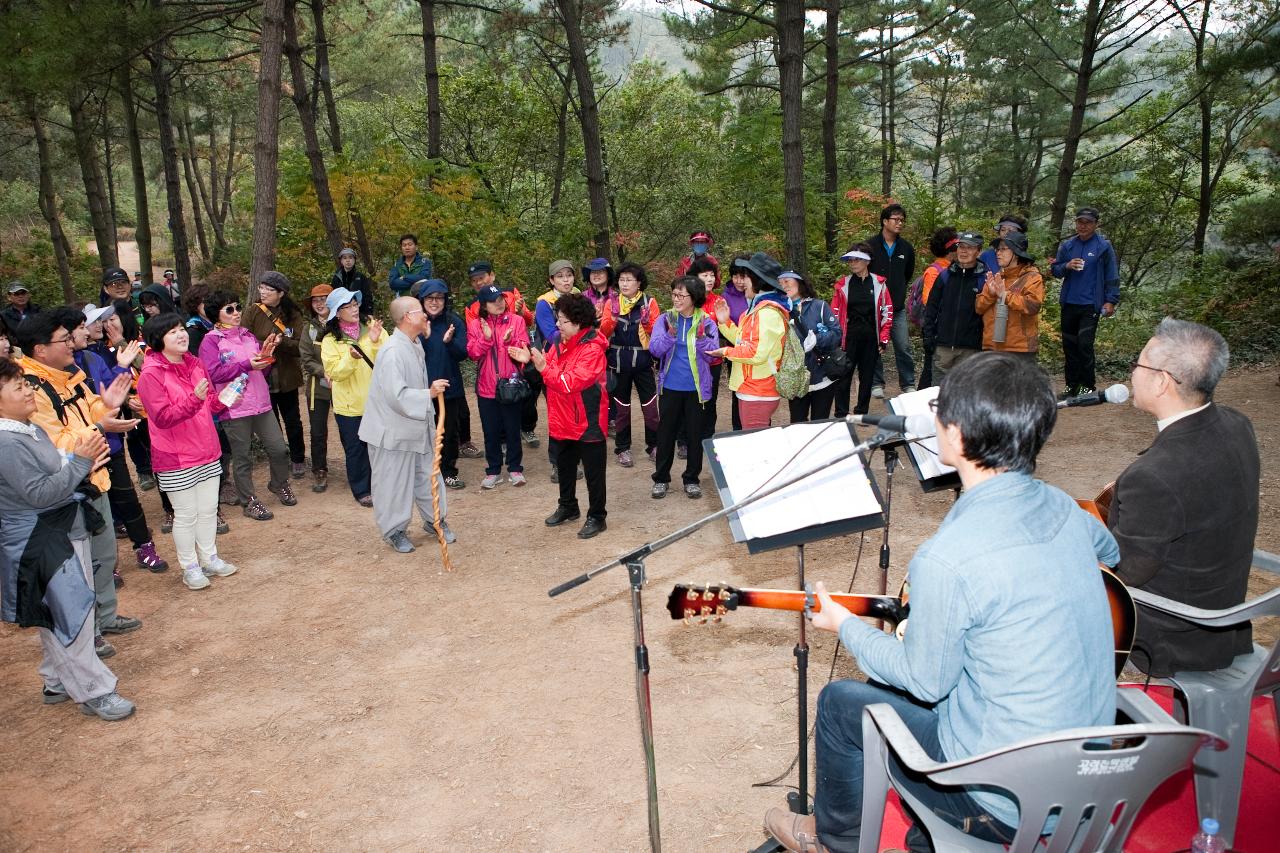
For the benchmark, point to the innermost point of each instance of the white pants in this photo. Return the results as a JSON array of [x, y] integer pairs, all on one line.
[[76, 667], [195, 523]]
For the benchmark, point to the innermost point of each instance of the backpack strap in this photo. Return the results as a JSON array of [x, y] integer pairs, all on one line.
[[59, 405]]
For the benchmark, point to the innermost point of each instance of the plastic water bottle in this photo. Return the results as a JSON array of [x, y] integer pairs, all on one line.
[[232, 393], [1207, 839]]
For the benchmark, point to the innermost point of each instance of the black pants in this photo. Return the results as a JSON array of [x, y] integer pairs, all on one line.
[[126, 509], [285, 406], [501, 426], [926, 369], [359, 472], [138, 441], [814, 406], [680, 416], [646, 386], [318, 417], [529, 411], [592, 456], [710, 414], [464, 420], [863, 349], [1079, 329], [449, 445]]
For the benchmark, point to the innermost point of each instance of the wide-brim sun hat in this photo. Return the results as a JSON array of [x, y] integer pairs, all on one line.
[[340, 297], [765, 268], [1017, 244]]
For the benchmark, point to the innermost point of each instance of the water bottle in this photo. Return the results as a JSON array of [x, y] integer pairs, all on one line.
[[1002, 322], [234, 391], [1207, 839]]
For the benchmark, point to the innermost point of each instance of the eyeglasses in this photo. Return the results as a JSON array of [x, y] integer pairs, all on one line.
[[562, 320], [1136, 364], [435, 297], [65, 340], [233, 308], [898, 219], [411, 313], [933, 405]]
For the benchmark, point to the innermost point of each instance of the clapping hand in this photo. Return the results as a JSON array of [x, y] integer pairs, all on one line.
[[109, 424], [722, 312], [91, 444], [519, 354], [114, 394], [135, 405], [448, 333], [126, 355], [269, 345], [487, 330], [201, 390]]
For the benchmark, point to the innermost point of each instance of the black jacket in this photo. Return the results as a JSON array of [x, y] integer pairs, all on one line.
[[950, 318], [898, 271], [10, 320], [1185, 514], [356, 282]]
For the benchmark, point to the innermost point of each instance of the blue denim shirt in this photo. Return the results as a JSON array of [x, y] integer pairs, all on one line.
[[1010, 631]]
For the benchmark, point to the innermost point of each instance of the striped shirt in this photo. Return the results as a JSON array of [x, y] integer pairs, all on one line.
[[185, 478]]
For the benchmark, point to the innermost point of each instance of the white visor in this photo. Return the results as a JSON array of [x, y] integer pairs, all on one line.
[[855, 256]]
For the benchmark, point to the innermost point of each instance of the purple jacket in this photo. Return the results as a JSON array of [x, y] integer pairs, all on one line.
[[226, 354], [662, 344], [736, 300]]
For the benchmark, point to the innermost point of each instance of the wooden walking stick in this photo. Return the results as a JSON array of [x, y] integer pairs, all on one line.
[[435, 487]]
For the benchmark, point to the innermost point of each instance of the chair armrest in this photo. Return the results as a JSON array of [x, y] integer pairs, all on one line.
[[1266, 561], [900, 739], [1135, 704], [1267, 604]]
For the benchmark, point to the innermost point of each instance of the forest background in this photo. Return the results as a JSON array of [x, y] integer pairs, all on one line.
[[228, 138]]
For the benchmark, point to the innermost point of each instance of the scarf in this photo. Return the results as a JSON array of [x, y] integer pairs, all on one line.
[[351, 330], [625, 306]]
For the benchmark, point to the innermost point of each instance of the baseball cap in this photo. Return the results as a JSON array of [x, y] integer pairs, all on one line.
[[18, 287], [1087, 213], [113, 274], [491, 293], [479, 268], [971, 238], [555, 267]]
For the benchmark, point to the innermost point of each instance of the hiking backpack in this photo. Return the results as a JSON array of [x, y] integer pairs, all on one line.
[[793, 377]]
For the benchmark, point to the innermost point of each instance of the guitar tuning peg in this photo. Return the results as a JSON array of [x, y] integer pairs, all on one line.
[[724, 594], [706, 612], [691, 594], [688, 616], [707, 594]]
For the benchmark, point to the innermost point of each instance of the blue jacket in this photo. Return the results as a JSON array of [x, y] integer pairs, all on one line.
[[404, 276], [814, 315], [101, 374], [443, 359], [1098, 283]]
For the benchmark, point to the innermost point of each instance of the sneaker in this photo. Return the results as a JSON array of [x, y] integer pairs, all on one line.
[[454, 483], [517, 478], [400, 542], [148, 558], [1067, 394], [146, 482], [491, 481], [319, 481], [223, 527], [365, 501], [693, 490], [560, 516], [877, 391], [219, 568], [102, 648], [54, 695], [111, 707], [625, 460], [530, 439], [285, 494], [907, 389], [449, 536], [166, 526], [121, 625], [659, 490], [298, 470], [593, 527], [469, 451], [228, 496], [194, 578], [793, 831], [682, 450], [255, 510], [122, 532], [116, 579], [652, 453]]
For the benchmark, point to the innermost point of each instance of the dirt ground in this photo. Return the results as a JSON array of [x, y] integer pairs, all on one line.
[[334, 695]]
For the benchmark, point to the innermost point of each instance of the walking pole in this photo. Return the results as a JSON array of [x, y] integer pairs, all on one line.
[[435, 487]]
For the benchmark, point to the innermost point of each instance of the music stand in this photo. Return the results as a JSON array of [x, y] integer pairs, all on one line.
[[843, 499], [923, 454]]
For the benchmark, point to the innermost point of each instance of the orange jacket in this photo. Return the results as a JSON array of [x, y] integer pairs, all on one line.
[[756, 353], [1024, 294], [512, 297], [81, 410]]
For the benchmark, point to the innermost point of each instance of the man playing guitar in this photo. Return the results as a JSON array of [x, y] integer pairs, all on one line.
[[1010, 633]]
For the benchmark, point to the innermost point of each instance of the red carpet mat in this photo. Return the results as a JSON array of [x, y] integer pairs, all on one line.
[[1169, 820]]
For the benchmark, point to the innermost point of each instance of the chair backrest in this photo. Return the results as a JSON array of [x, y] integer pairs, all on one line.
[[1093, 782]]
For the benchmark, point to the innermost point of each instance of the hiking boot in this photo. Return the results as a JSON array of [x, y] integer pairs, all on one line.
[[693, 490], [255, 510], [907, 389], [468, 450], [561, 515], [194, 578], [219, 568], [102, 648], [223, 527], [517, 478], [400, 542], [659, 490], [298, 470], [625, 460], [116, 579], [285, 494], [227, 495], [454, 482], [121, 625], [449, 536], [365, 501], [555, 475], [166, 526], [319, 481], [148, 558], [54, 695], [877, 391], [111, 707], [530, 439], [793, 831], [491, 481], [593, 527], [146, 482]]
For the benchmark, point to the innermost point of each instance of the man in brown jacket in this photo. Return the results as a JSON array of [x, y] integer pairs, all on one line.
[[275, 313]]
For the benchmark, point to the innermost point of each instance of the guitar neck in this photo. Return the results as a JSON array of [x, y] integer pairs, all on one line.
[[873, 606]]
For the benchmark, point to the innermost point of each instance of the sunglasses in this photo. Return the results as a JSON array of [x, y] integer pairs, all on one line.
[[233, 308]]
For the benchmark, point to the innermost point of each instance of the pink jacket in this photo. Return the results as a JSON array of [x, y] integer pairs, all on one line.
[[226, 354], [482, 350], [182, 430]]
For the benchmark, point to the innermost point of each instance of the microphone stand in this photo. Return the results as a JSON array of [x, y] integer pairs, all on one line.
[[634, 561]]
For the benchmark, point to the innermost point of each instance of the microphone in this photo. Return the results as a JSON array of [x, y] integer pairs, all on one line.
[[1117, 393], [919, 425]]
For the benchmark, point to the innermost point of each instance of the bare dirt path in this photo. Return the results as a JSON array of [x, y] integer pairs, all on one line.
[[127, 253], [336, 696]]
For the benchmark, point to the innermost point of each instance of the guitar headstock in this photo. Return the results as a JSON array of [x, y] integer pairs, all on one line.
[[689, 602]]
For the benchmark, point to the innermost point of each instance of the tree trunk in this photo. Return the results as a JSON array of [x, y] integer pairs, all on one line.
[[325, 75], [143, 214], [266, 152], [888, 116], [87, 154], [790, 58], [589, 117], [188, 171], [169, 156], [432, 74], [831, 176], [112, 217], [1204, 206], [49, 202], [1075, 127], [562, 148], [311, 140]]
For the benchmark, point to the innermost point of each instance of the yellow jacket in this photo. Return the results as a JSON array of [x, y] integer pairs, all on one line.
[[349, 377], [756, 353], [81, 410]]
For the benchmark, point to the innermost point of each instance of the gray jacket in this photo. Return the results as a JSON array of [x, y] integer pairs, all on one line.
[[399, 414]]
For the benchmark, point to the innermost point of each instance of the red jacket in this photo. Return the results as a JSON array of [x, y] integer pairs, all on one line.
[[181, 424], [884, 308], [577, 404]]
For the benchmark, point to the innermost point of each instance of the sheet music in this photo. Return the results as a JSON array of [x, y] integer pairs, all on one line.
[[754, 460], [925, 453]]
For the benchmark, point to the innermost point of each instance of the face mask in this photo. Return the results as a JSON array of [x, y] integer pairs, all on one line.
[[699, 248]]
